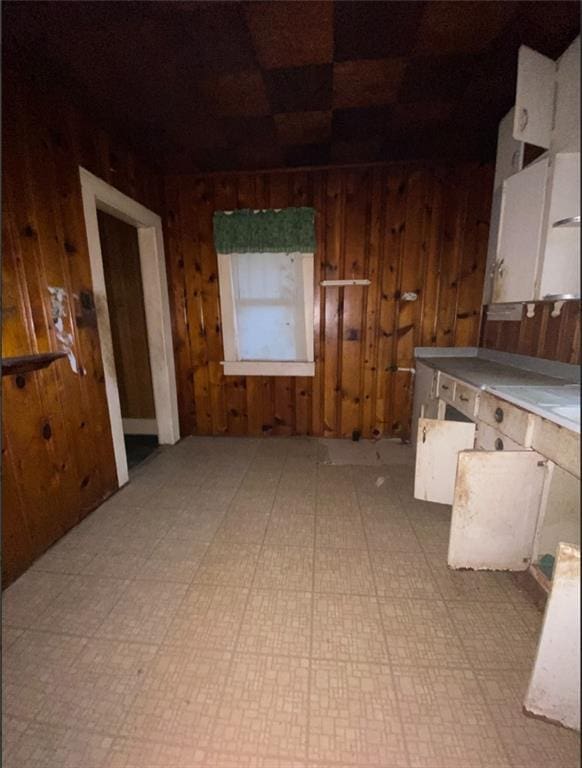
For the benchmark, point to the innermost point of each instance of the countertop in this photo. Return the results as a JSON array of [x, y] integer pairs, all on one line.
[[550, 390]]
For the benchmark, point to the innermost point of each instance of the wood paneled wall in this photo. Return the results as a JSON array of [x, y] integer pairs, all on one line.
[[120, 249], [420, 229], [553, 338], [57, 454]]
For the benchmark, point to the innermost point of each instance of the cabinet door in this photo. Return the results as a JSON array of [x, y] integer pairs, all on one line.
[[423, 392], [520, 234], [566, 135], [495, 509], [509, 159], [534, 98], [493, 245], [560, 514], [554, 687], [438, 443], [561, 264]]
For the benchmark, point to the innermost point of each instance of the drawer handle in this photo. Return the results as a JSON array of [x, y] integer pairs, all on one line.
[[444, 386], [464, 398], [498, 444], [498, 415]]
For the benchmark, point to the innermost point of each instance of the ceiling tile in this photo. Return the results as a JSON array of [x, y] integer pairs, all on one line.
[[360, 124], [375, 30], [303, 127], [441, 78], [366, 82], [291, 34], [257, 158], [181, 81], [217, 159], [549, 27], [462, 26], [421, 112], [212, 37], [358, 151], [253, 131], [307, 154], [232, 94], [300, 89]]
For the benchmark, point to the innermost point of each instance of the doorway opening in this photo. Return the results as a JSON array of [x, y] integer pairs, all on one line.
[[123, 284], [100, 197]]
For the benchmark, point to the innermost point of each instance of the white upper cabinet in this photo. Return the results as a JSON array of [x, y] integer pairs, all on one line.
[[520, 234], [509, 158], [534, 98], [529, 259], [560, 273], [566, 135], [509, 161]]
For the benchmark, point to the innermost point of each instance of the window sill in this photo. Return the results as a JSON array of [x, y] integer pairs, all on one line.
[[270, 368]]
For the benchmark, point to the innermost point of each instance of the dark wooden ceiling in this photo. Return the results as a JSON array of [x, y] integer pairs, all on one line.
[[252, 85]]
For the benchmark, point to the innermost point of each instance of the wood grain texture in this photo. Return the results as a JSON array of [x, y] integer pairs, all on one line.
[[553, 338], [419, 229], [57, 453], [120, 250]]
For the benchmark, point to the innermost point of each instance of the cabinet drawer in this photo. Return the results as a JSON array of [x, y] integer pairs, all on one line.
[[466, 399], [558, 444], [511, 421], [446, 387], [491, 439]]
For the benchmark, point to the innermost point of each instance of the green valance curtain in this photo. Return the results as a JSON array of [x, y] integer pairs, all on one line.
[[270, 231]]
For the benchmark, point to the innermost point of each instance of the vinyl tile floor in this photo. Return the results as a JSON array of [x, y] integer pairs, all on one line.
[[244, 604]]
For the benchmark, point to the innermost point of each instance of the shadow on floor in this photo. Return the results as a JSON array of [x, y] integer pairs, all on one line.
[[139, 447]]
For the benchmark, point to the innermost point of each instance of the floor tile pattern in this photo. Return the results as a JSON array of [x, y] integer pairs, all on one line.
[[245, 604]]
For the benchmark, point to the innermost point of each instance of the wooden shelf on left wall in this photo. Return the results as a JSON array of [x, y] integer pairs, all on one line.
[[13, 366]]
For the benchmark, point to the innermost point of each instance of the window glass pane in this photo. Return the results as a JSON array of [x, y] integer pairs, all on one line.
[[266, 333], [265, 276], [269, 305]]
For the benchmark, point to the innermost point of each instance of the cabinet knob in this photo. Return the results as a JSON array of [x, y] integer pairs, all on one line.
[[498, 415], [498, 444], [523, 119]]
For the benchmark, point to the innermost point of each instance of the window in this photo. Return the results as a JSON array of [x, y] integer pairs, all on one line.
[[266, 299]]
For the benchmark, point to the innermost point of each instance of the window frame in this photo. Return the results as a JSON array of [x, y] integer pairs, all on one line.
[[232, 363]]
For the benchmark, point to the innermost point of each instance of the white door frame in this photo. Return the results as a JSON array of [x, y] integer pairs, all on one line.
[[98, 195]]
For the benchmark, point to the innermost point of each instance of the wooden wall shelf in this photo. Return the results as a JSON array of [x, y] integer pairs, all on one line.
[[12, 366]]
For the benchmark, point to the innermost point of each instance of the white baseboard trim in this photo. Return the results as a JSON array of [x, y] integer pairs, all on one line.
[[140, 427]]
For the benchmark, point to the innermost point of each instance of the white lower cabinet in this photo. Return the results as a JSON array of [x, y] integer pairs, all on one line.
[[491, 439], [495, 509], [560, 514], [438, 443], [495, 494], [510, 503], [554, 687], [520, 234]]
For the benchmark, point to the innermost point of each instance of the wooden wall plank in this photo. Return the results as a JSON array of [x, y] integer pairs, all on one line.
[[59, 453], [372, 297], [332, 316], [179, 311], [355, 262], [553, 338], [395, 222], [404, 227]]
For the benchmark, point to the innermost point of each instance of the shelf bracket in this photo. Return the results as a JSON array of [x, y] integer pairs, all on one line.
[[557, 309]]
